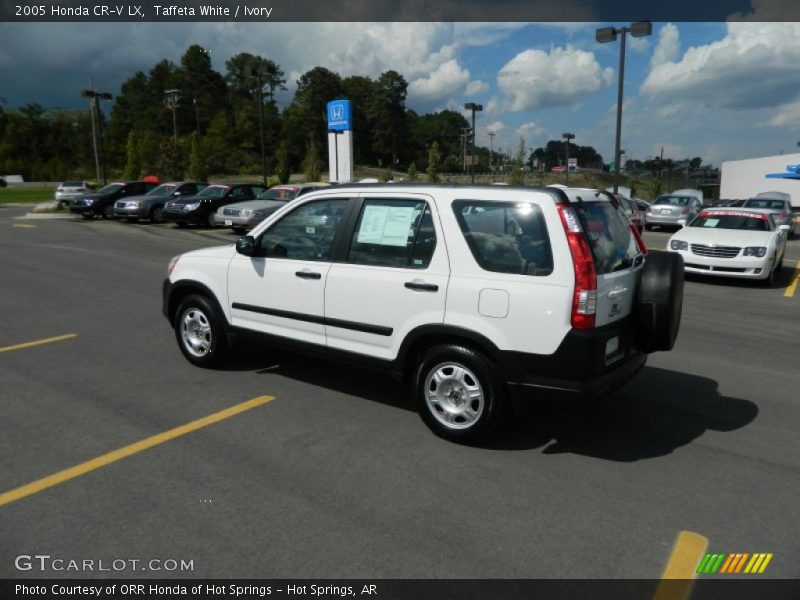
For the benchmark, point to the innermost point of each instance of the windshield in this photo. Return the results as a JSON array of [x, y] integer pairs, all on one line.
[[214, 191], [163, 190], [279, 194], [610, 237], [672, 200], [111, 188], [731, 220], [761, 203]]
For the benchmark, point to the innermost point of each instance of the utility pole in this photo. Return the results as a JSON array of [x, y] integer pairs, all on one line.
[[171, 101], [568, 137], [94, 100], [491, 148]]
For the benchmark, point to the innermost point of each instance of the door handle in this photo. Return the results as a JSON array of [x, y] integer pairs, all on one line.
[[617, 292], [422, 287], [308, 275]]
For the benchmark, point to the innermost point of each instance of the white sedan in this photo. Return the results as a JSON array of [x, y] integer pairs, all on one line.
[[731, 243]]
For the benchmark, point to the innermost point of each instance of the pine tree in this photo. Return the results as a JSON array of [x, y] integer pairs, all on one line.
[[133, 167], [434, 157]]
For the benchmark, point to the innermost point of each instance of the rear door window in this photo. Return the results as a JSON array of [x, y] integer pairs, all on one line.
[[506, 237], [609, 234]]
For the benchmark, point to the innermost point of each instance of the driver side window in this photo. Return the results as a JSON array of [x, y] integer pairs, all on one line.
[[306, 233]]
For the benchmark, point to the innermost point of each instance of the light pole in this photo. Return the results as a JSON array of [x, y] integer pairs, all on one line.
[[609, 34], [171, 100], [474, 108], [94, 99], [567, 137], [491, 148]]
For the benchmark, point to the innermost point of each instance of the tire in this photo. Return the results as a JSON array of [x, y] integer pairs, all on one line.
[[132, 219], [239, 230], [648, 228], [209, 220], [659, 302], [88, 215], [461, 371], [180, 224], [200, 333], [108, 211], [155, 214]]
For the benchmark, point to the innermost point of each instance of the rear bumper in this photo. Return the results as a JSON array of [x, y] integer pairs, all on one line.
[[665, 219], [579, 367]]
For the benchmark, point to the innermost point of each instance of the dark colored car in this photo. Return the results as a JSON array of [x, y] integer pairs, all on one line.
[[200, 208], [151, 205], [3, 182], [102, 202]]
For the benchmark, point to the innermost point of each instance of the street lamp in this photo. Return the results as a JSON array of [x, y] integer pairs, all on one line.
[[94, 100], [609, 34], [474, 108], [568, 137]]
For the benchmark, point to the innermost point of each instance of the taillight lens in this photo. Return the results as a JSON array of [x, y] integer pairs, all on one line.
[[584, 299], [639, 241]]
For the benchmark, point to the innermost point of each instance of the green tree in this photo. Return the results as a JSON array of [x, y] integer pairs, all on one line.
[[412, 171], [283, 170], [133, 166], [198, 162], [170, 167], [434, 156], [387, 116], [517, 167], [312, 164]]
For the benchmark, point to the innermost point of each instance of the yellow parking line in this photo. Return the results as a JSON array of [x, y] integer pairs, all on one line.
[[678, 577], [125, 451], [792, 287], [24, 225], [58, 338]]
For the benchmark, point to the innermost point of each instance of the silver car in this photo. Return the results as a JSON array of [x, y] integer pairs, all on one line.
[[150, 205], [68, 190], [668, 210], [243, 216], [780, 209]]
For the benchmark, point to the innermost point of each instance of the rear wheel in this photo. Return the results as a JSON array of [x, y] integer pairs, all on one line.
[[459, 394], [108, 212], [199, 331], [88, 215], [210, 220], [659, 302]]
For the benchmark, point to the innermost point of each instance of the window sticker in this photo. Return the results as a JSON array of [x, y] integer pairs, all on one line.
[[711, 223], [386, 225], [311, 230]]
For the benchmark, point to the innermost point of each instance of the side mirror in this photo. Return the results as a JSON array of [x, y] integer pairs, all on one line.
[[682, 222], [784, 227], [246, 245]]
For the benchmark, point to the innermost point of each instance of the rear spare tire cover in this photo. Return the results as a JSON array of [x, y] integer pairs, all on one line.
[[659, 302]]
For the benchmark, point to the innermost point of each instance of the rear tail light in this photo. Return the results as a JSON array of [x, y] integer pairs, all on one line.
[[639, 241], [782, 216], [685, 211], [584, 299], [80, 190]]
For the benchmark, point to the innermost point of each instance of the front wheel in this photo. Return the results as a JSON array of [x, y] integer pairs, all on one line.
[[199, 331], [210, 220], [155, 214], [459, 394], [108, 212]]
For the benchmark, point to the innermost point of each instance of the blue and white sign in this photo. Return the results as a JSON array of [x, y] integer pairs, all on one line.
[[339, 116]]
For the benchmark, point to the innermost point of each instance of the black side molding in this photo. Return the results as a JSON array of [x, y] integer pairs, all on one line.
[[422, 287], [340, 323]]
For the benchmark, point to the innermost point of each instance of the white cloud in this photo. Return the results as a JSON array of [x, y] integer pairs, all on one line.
[[669, 46], [639, 44], [754, 66], [534, 134], [448, 79], [476, 88], [496, 126], [535, 79], [787, 116]]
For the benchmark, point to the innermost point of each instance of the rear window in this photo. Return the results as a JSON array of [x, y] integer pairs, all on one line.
[[672, 200], [758, 203], [609, 234], [72, 184], [506, 237]]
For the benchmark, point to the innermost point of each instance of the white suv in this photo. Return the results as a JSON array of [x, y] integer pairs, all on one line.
[[471, 292]]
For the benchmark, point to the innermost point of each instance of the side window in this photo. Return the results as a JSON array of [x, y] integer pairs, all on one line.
[[393, 233], [240, 193], [506, 237], [306, 233]]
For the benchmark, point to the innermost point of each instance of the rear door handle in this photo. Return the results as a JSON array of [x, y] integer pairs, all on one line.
[[308, 275], [422, 287]]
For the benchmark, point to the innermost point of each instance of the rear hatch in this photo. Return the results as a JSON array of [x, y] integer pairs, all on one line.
[[617, 258]]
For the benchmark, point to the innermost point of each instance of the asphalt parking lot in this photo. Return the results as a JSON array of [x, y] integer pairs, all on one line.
[[330, 473]]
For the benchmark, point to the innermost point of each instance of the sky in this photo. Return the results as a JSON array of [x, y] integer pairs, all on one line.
[[721, 91]]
